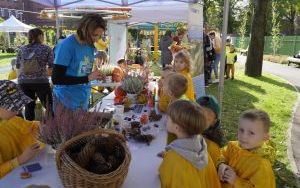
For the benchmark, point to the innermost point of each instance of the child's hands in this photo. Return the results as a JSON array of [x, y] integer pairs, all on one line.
[[96, 75], [29, 153], [221, 171], [161, 154], [229, 176]]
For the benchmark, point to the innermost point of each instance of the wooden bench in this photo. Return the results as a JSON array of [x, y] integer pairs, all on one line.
[[293, 60]]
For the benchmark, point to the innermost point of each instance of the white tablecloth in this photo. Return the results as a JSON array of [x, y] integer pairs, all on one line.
[[143, 170]]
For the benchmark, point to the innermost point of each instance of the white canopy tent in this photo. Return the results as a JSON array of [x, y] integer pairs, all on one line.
[[12, 24], [142, 10], [149, 11]]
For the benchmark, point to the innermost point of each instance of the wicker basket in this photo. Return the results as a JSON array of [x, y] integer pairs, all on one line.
[[73, 176]]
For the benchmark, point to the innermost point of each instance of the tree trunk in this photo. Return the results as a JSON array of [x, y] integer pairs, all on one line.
[[256, 46]]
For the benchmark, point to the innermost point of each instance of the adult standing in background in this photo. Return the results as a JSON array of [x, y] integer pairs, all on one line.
[[217, 43], [179, 37], [74, 58], [209, 55], [166, 54], [33, 62]]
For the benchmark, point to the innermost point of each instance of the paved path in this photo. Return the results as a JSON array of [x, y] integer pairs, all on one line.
[[292, 75]]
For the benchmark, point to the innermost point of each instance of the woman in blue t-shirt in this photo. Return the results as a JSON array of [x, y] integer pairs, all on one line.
[[73, 63]]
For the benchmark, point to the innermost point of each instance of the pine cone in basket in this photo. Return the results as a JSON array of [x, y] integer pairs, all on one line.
[[99, 165], [112, 162], [99, 159], [105, 145], [119, 153], [85, 156], [100, 154]]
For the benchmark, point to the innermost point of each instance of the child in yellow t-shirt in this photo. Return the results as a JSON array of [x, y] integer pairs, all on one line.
[[231, 58], [12, 73], [248, 161], [18, 143], [123, 65], [213, 135], [182, 65], [101, 58], [175, 86], [186, 162], [164, 99]]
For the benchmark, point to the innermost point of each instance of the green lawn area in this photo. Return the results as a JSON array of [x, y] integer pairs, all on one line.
[[268, 93], [5, 59]]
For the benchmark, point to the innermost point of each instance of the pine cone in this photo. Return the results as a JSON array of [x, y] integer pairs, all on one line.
[[144, 138], [99, 159], [86, 154], [154, 117]]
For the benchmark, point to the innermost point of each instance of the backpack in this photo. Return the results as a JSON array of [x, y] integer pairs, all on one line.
[[29, 63]]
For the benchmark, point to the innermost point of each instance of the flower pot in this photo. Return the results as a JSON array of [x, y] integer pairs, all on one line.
[[132, 97], [108, 79]]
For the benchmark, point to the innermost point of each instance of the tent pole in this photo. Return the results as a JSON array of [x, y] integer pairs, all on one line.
[[56, 20], [223, 55]]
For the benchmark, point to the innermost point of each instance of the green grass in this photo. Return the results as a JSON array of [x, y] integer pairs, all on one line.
[[268, 93]]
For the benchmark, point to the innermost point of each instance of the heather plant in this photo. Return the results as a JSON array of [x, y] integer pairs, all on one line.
[[66, 124]]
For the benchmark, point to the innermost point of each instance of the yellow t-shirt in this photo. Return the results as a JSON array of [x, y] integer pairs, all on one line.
[[177, 172], [16, 134], [214, 150], [190, 93], [164, 101], [12, 75], [253, 168]]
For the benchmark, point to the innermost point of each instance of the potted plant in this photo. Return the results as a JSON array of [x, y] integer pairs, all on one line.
[[133, 85], [66, 124], [108, 71]]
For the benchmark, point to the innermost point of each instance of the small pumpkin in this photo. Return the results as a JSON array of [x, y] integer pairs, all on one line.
[[119, 92], [117, 74], [118, 100]]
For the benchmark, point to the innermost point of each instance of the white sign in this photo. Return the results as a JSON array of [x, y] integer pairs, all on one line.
[[195, 22], [195, 34]]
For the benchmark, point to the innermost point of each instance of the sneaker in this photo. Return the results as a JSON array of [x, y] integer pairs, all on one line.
[[216, 81], [232, 78]]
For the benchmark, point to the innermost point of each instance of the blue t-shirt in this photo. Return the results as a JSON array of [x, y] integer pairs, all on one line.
[[79, 59]]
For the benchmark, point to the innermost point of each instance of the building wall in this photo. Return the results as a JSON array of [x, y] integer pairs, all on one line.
[[27, 5]]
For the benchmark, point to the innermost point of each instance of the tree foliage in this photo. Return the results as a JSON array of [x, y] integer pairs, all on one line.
[[275, 28], [288, 11]]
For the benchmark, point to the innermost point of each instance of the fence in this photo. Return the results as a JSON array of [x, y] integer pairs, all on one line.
[[289, 45]]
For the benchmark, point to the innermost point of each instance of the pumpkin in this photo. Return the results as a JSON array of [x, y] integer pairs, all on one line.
[[144, 119], [119, 92], [117, 74], [118, 100]]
